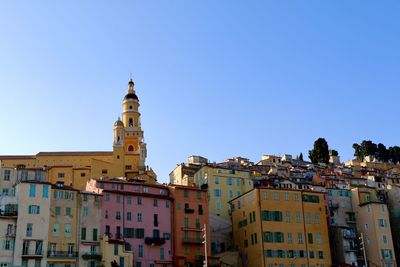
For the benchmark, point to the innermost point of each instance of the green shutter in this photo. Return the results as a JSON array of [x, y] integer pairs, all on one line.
[[11, 244], [4, 244]]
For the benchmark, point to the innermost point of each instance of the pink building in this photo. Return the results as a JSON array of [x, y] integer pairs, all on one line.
[[139, 215]]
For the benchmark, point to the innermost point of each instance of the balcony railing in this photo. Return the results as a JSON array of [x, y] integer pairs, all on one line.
[[92, 256], [62, 254], [10, 233], [31, 254], [189, 210], [154, 240], [350, 248], [192, 241], [350, 220], [6, 213]]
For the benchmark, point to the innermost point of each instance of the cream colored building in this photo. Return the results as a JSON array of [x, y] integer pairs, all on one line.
[[223, 184], [114, 251], [31, 240], [372, 217], [89, 229], [62, 231]]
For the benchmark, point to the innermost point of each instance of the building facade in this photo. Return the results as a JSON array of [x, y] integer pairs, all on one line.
[[281, 227]]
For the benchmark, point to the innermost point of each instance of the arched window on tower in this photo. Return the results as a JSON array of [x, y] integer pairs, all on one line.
[[118, 138], [130, 122], [130, 148]]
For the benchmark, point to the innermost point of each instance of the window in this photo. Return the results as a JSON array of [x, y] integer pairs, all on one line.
[[69, 195], [61, 175], [104, 171], [155, 202], [287, 196], [229, 181], [316, 218], [300, 238], [67, 230], [83, 174], [139, 201], [167, 236], [85, 211], [32, 190], [186, 193], [217, 192], [139, 217], [216, 179], [83, 233], [94, 234], [310, 238], [129, 232], [107, 197], [68, 211], [5, 191], [310, 198], [383, 208], [198, 193], [238, 193], [387, 254], [45, 192], [58, 210], [289, 238], [276, 195], [118, 215], [34, 209], [288, 216], [167, 203], [140, 252], [118, 199], [200, 209], [7, 174], [296, 196], [186, 222], [129, 200], [265, 195], [116, 249], [275, 216], [230, 194], [382, 222], [238, 182], [56, 230], [298, 217], [318, 238], [218, 205], [308, 217], [29, 229], [145, 189], [162, 256], [129, 216], [384, 238]]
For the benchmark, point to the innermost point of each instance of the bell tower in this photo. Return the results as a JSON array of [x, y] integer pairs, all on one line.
[[133, 139]]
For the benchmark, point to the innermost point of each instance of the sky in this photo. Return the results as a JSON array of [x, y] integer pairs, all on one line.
[[214, 78]]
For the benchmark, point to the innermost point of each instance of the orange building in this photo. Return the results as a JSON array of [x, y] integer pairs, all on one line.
[[190, 214]]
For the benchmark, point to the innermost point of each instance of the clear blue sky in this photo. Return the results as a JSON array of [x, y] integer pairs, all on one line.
[[215, 78]]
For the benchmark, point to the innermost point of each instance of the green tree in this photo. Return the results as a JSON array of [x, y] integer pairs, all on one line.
[[394, 154], [382, 153], [334, 152], [320, 152], [357, 152]]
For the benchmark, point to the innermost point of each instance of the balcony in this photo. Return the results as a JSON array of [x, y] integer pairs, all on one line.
[[189, 210], [350, 248], [92, 256], [62, 254], [8, 213], [10, 233], [350, 220], [31, 254], [192, 241], [154, 240]]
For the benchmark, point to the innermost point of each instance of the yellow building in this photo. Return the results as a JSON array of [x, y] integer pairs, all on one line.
[[372, 218], [115, 251], [76, 168], [223, 185], [281, 227], [62, 236]]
